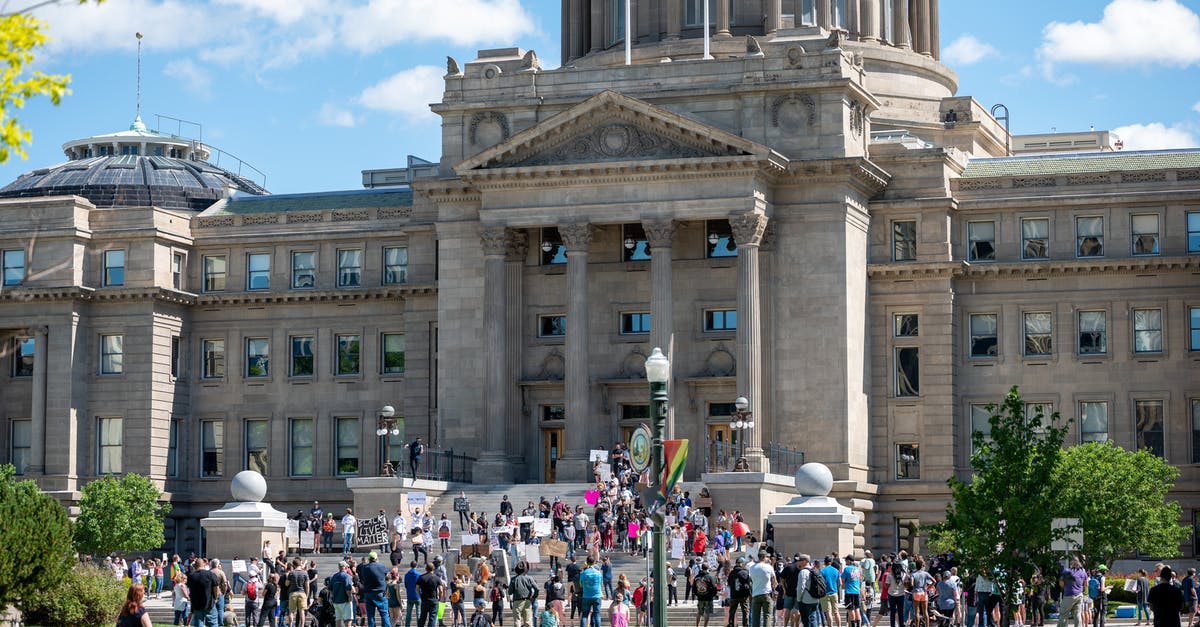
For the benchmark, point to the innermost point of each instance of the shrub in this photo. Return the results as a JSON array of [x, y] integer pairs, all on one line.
[[88, 597], [1118, 593]]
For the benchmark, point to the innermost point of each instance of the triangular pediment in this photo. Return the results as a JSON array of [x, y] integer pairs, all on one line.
[[611, 127]]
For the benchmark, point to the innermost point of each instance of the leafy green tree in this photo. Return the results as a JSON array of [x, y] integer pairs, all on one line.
[[89, 596], [999, 521], [35, 539], [1119, 497], [120, 515], [20, 35]]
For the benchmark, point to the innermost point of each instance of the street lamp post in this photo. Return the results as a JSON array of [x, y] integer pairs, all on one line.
[[658, 372], [742, 423], [388, 423]]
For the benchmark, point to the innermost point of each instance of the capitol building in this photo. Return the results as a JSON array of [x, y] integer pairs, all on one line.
[[811, 218]]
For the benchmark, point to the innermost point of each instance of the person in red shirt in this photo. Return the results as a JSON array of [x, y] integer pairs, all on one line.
[[700, 543]]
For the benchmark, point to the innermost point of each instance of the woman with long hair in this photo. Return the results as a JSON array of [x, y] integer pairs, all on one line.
[[133, 612]]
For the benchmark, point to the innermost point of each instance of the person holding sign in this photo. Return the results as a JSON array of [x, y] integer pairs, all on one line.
[[444, 527], [462, 506]]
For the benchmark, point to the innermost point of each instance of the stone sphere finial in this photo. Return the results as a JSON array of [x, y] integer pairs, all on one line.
[[249, 487], [814, 479]]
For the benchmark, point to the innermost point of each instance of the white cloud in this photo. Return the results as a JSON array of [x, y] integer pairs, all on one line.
[[193, 77], [281, 11], [407, 93], [333, 115], [382, 23], [1131, 32], [1156, 136], [167, 25], [966, 50], [1196, 107]]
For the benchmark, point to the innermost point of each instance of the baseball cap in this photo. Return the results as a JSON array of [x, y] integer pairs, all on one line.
[[343, 564], [372, 555]]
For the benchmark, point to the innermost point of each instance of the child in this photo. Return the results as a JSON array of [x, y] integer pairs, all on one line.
[[497, 598]]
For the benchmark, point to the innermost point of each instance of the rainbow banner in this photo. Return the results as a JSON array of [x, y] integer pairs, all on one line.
[[675, 454]]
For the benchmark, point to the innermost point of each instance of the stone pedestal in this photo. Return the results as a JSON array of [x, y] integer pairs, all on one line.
[[372, 494], [755, 494], [242, 526], [813, 522]]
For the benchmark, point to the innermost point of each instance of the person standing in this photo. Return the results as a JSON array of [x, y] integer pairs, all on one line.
[[1188, 586], [1074, 578], [808, 601], [740, 587], [429, 589], [411, 594], [203, 588], [762, 581], [1166, 601], [133, 612], [1143, 590], [348, 524], [372, 577], [590, 581], [415, 450], [829, 604], [705, 589], [522, 592], [852, 585], [341, 595], [253, 592], [296, 585], [270, 602]]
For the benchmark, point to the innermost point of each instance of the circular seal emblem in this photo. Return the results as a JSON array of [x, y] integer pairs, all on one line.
[[639, 448]]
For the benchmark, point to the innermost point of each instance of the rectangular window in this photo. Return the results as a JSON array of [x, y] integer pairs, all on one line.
[[304, 270], [1039, 334], [395, 265], [905, 325], [1147, 331], [720, 319], [347, 446], [177, 263], [908, 461], [213, 352], [1149, 426], [552, 326], [300, 444], [981, 241], [112, 354], [14, 267], [350, 267], [214, 273], [1089, 236], [212, 448], [985, 341], [1094, 426], [1144, 229], [635, 412], [553, 412], [302, 356], [635, 322], [348, 351], [634, 246], [173, 449], [114, 268], [23, 356], [257, 437], [616, 20], [553, 250], [1194, 327], [1196, 430], [1093, 333], [393, 353], [904, 240], [176, 367], [1035, 238], [258, 271], [908, 371], [719, 234], [20, 444], [108, 446], [258, 358], [1193, 231], [981, 422]]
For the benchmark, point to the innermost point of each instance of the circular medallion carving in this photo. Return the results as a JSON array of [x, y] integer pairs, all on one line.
[[614, 140]]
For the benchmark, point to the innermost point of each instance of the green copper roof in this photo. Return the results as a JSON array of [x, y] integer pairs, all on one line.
[[1042, 165], [317, 201]]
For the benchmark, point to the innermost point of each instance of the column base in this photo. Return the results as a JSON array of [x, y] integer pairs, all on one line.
[[756, 461], [492, 469], [574, 469]]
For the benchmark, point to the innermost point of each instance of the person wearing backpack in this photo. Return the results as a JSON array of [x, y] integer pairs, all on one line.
[[894, 580], [808, 600], [522, 591], [704, 587], [739, 593], [253, 589]]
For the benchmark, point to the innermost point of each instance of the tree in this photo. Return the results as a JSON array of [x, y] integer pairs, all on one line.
[[120, 515], [999, 521], [21, 34], [1119, 497], [35, 539]]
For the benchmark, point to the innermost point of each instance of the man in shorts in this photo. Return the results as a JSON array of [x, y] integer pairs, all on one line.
[[705, 589], [297, 592], [852, 585], [341, 594]]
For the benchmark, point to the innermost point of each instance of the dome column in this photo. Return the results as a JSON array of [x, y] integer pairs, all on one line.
[[935, 26], [868, 20], [723, 20], [903, 32], [660, 235], [674, 19], [774, 16], [825, 14]]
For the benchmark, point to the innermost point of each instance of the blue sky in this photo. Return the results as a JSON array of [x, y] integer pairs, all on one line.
[[313, 91]]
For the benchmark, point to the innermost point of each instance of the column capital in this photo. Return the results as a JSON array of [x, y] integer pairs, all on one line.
[[577, 237], [494, 240], [517, 247], [659, 233], [39, 331], [748, 228]]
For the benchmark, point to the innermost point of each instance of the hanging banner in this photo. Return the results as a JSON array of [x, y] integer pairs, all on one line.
[[675, 454]]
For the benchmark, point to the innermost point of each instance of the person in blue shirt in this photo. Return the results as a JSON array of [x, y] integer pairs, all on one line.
[[606, 573], [590, 586], [341, 594], [829, 604], [413, 600], [852, 586]]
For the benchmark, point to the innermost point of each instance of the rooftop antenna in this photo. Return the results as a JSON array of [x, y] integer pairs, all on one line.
[[139, 75]]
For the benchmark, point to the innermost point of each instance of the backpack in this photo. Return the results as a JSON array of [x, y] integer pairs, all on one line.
[[739, 583], [480, 620], [252, 590], [455, 596], [817, 586]]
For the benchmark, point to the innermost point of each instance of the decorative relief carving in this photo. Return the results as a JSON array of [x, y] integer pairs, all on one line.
[[748, 228], [770, 236], [301, 218], [260, 219], [393, 213], [518, 245], [615, 141], [1187, 175], [659, 233], [856, 118], [634, 364], [795, 56], [1088, 179], [968, 185], [494, 240], [720, 363], [351, 216], [1144, 177], [794, 112], [1034, 181], [576, 237], [219, 221], [553, 367], [488, 128]]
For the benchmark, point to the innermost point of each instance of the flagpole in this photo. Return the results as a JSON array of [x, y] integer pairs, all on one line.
[[707, 53], [628, 34]]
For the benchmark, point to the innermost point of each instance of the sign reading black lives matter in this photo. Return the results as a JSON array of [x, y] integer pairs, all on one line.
[[461, 504], [372, 532]]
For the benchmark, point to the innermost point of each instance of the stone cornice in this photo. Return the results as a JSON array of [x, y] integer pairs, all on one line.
[[617, 172], [1062, 183], [1032, 269], [447, 191], [83, 293], [866, 175]]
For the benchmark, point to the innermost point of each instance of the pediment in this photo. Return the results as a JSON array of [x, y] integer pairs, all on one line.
[[611, 127]]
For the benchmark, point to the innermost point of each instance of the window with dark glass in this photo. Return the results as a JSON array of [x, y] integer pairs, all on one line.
[[908, 461], [173, 449], [635, 412], [1148, 424], [23, 356], [258, 271], [1035, 238], [14, 267], [1144, 229], [634, 246], [350, 267], [1193, 232], [908, 371], [552, 326], [635, 322], [212, 448], [905, 325], [719, 239], [1093, 333], [553, 412], [1195, 430], [1039, 333], [1147, 331], [258, 358], [214, 273], [395, 265], [257, 438], [1194, 327], [904, 240], [347, 446], [348, 351], [20, 444], [393, 353], [553, 251], [720, 319], [213, 355], [175, 357], [114, 268], [1089, 236], [984, 335], [304, 270], [981, 241], [301, 447], [302, 356], [981, 423]]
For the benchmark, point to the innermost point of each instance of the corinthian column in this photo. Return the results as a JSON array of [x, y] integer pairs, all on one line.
[[492, 461], [935, 30], [573, 464], [774, 16], [514, 260], [748, 229], [660, 235], [37, 427]]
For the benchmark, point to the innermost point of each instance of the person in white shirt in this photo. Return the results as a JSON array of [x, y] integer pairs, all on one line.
[[348, 523], [398, 528], [762, 584]]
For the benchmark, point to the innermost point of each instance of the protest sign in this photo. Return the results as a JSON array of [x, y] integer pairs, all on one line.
[[461, 504], [701, 501], [532, 554], [306, 541], [416, 498], [598, 455], [591, 497], [293, 529], [554, 548], [239, 566], [676, 548], [469, 538], [542, 527], [525, 520], [372, 531], [462, 570]]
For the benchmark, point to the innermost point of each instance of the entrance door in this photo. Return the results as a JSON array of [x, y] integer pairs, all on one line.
[[553, 441], [722, 446], [627, 432]]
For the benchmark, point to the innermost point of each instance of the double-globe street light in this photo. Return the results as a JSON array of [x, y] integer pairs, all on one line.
[[388, 424], [741, 424], [658, 372]]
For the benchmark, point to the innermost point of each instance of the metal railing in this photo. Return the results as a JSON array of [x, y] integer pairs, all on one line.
[[720, 456], [438, 466]]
